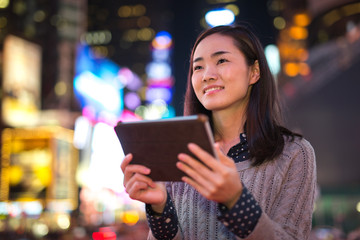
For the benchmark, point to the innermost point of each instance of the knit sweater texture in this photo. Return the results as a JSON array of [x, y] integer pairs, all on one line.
[[284, 188]]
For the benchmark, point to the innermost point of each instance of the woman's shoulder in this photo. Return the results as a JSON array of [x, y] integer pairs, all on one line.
[[298, 147]]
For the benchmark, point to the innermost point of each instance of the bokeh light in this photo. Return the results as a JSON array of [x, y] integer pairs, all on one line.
[[162, 40], [291, 69], [219, 17], [302, 19], [279, 23], [4, 3], [298, 33]]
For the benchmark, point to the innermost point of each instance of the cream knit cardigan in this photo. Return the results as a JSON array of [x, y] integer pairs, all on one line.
[[284, 188]]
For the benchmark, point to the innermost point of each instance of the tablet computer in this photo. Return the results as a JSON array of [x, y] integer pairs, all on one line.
[[157, 143]]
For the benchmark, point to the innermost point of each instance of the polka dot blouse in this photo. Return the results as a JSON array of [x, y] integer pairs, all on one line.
[[165, 225], [240, 220]]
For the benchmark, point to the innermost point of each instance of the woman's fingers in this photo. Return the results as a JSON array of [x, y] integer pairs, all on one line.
[[215, 179], [130, 170], [137, 183], [209, 160], [194, 169], [127, 159]]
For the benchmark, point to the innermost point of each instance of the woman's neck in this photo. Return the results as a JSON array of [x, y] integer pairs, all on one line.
[[228, 128]]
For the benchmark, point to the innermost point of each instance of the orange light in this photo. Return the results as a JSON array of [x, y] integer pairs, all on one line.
[[161, 43], [298, 33], [301, 19], [291, 69], [130, 217], [302, 54], [304, 69]]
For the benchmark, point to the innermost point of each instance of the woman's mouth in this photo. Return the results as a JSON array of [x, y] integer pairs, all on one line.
[[212, 89]]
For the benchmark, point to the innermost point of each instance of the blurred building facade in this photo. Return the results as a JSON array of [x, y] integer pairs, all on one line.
[[319, 84]]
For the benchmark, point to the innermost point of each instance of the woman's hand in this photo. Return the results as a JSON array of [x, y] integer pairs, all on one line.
[[140, 187], [217, 180]]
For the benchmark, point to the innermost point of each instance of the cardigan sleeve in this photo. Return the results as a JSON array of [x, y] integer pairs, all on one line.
[[291, 216]]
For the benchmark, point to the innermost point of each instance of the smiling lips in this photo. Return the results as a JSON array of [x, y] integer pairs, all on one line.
[[213, 88]]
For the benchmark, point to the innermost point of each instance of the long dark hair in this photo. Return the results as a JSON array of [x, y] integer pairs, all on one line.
[[263, 128]]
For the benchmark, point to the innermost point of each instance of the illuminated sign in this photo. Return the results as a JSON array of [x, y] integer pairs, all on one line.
[[21, 82]]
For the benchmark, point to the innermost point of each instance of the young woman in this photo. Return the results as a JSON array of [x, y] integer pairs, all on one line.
[[262, 185]]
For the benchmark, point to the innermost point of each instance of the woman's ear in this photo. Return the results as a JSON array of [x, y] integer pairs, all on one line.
[[255, 72]]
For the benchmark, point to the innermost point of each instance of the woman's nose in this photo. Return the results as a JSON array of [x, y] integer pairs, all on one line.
[[210, 73]]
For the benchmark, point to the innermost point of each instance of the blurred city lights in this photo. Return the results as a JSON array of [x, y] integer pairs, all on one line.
[[33, 208], [138, 10], [105, 233], [291, 69], [124, 11], [161, 54], [60, 88], [39, 16], [132, 100], [298, 33], [129, 79], [158, 70], [232, 7], [301, 19], [162, 40], [130, 217], [100, 93], [105, 174], [143, 22], [4, 3], [63, 221], [15, 175], [279, 23], [96, 37], [159, 80], [156, 93], [82, 131], [40, 229], [304, 69], [273, 57], [145, 34], [219, 17], [358, 207]]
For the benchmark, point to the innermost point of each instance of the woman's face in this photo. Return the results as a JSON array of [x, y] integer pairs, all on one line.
[[221, 77]]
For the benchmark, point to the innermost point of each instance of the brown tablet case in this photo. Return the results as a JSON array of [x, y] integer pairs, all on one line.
[[157, 143]]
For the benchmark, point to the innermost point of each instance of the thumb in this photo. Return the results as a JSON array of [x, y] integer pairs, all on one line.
[[222, 157]]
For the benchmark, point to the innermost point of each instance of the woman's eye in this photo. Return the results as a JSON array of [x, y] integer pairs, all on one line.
[[222, 60], [197, 68]]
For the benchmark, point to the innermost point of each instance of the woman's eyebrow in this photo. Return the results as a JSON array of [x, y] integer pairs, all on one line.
[[212, 55]]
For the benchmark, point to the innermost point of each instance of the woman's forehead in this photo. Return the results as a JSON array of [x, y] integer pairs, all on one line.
[[214, 43]]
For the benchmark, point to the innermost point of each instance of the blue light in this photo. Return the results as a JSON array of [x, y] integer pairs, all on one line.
[[158, 93], [95, 92], [97, 83], [219, 17], [158, 70], [162, 40]]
